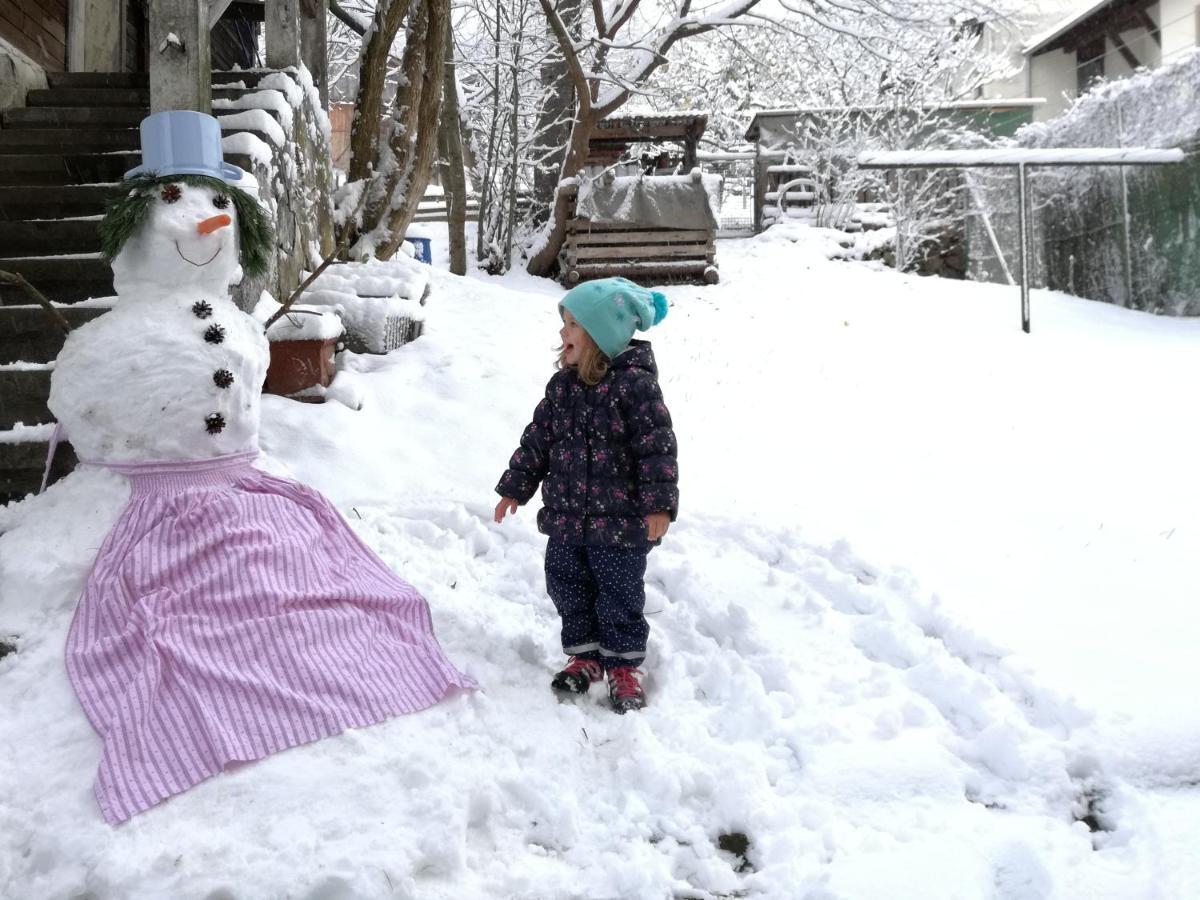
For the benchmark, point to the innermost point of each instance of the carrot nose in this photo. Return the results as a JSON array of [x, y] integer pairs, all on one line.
[[208, 226]]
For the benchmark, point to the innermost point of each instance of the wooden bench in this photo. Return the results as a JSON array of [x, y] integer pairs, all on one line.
[[646, 255]]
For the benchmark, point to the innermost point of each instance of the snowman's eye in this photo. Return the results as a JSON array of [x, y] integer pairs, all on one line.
[[220, 201], [171, 193]]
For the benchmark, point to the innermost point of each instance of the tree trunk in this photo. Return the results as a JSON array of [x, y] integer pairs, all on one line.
[[454, 179], [393, 201], [544, 258], [554, 124], [372, 73]]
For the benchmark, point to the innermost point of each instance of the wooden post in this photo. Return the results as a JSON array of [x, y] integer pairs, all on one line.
[[314, 45], [283, 33], [180, 68]]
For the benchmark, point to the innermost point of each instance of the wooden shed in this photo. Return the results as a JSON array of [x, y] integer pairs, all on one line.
[[644, 211]]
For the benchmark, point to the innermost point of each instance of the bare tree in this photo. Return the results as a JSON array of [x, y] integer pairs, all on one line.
[[505, 48], [454, 181], [389, 171]]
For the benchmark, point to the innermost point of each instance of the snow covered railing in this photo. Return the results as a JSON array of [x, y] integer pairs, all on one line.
[[1054, 156]]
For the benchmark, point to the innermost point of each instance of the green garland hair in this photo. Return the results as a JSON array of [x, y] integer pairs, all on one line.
[[125, 214]]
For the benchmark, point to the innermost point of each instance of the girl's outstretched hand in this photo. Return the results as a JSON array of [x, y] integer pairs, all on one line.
[[656, 525], [504, 507]]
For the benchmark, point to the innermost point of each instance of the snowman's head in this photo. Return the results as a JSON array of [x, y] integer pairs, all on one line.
[[184, 232]]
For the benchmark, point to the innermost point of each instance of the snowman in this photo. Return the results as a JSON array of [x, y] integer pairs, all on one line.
[[229, 614]]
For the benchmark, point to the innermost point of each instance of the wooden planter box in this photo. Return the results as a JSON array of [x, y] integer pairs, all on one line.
[[647, 255], [299, 365]]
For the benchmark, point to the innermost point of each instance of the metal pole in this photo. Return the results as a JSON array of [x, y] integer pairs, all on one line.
[[1125, 212], [1023, 224]]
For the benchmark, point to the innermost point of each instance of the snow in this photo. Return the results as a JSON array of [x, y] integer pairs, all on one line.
[[930, 602], [304, 322], [257, 120], [251, 145], [270, 100], [1057, 156], [19, 433]]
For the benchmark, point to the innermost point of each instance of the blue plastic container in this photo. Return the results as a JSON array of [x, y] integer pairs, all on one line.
[[424, 248]]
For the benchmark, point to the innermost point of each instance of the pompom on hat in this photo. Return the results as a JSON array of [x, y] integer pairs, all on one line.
[[611, 309]]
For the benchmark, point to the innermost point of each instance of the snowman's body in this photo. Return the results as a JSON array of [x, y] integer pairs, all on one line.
[[142, 382], [229, 614], [175, 370]]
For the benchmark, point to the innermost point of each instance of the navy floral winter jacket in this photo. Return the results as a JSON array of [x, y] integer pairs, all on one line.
[[605, 455]]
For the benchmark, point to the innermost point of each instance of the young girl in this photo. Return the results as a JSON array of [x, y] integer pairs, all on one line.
[[602, 446]]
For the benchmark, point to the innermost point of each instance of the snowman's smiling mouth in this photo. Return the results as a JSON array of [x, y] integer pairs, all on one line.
[[193, 262]]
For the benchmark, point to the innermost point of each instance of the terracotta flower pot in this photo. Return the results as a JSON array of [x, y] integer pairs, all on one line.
[[298, 365]]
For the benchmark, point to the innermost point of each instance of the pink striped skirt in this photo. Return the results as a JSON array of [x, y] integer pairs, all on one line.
[[229, 615]]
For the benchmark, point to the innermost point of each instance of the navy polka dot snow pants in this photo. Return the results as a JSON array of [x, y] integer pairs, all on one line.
[[600, 594]]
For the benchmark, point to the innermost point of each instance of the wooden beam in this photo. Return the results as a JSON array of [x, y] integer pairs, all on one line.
[[1124, 50], [180, 65], [283, 33], [314, 44], [217, 9], [1117, 17], [1150, 25]]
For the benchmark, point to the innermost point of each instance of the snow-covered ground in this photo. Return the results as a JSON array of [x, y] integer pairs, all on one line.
[[926, 619]]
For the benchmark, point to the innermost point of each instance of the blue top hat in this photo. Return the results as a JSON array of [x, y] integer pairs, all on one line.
[[183, 142]]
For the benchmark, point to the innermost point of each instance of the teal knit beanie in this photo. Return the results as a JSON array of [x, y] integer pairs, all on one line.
[[610, 309]]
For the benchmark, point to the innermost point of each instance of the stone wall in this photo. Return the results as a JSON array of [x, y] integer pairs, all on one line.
[[291, 163]]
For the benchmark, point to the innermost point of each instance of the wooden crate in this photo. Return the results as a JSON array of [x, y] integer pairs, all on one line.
[[646, 255]]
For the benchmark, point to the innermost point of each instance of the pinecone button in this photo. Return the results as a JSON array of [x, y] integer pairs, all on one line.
[[214, 334], [222, 378], [214, 424], [202, 309]]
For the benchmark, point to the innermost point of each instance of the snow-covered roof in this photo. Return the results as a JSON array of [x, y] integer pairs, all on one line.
[[654, 114], [1058, 156], [652, 126], [995, 104], [1062, 26]]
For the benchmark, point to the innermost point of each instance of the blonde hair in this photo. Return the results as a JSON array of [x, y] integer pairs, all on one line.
[[592, 365]]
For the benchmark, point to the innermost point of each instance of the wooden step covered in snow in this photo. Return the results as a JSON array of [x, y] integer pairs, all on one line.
[[64, 279], [23, 395], [23, 461], [28, 335], [62, 157]]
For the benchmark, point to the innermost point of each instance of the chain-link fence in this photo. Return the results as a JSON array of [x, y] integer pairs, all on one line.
[[1121, 234], [737, 190]]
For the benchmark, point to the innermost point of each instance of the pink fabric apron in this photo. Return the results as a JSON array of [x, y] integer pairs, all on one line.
[[229, 615]]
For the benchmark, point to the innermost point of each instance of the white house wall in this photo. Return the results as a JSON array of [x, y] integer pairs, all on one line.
[[1034, 19], [1052, 76], [1180, 24]]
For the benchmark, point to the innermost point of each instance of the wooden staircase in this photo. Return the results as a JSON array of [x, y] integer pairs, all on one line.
[[61, 158]]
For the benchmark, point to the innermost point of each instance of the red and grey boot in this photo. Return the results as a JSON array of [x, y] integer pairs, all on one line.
[[625, 689], [578, 676]]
